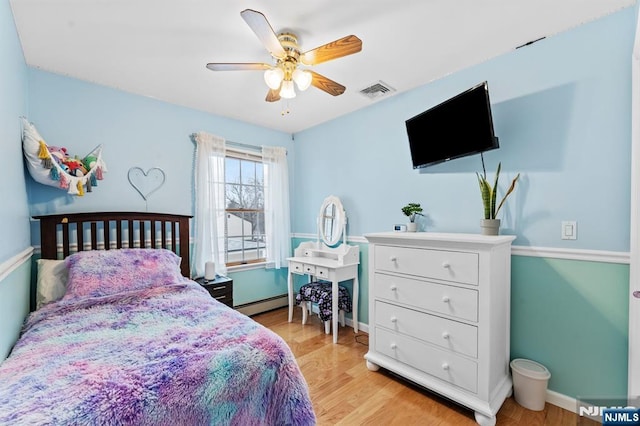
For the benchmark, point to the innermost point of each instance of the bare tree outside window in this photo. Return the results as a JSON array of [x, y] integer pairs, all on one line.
[[244, 228]]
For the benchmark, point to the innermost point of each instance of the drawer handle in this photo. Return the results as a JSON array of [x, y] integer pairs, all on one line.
[[393, 346], [446, 335], [394, 319], [393, 259], [393, 287], [222, 287], [445, 366], [221, 297], [445, 299], [446, 265]]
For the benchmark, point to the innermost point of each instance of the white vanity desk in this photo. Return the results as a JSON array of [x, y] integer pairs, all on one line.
[[319, 260]]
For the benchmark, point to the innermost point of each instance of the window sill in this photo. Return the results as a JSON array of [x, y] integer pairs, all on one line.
[[247, 267]]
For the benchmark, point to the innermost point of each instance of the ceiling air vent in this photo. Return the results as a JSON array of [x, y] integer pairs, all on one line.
[[377, 90]]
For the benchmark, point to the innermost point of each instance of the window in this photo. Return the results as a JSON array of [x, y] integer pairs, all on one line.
[[244, 236], [241, 206]]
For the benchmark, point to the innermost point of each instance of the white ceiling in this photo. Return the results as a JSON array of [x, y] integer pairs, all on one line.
[[159, 48]]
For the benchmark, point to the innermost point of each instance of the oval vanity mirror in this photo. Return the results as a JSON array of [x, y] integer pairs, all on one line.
[[331, 220]]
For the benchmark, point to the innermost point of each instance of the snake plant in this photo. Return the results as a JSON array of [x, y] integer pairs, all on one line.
[[490, 193]]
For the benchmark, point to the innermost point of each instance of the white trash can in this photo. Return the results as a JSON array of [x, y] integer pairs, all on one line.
[[529, 383]]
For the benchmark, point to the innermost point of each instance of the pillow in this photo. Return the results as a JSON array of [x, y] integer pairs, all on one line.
[[98, 273], [52, 281]]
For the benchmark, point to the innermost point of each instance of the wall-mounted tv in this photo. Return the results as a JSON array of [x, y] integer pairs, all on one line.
[[457, 127]]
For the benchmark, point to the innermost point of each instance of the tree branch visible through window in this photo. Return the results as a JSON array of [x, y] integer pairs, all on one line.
[[244, 201]]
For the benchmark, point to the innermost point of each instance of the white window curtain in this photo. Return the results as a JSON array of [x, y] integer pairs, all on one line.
[[209, 203], [276, 206]]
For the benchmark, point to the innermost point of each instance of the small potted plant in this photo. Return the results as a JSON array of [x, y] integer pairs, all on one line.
[[411, 210], [490, 225]]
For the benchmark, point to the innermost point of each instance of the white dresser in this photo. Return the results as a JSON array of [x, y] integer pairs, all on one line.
[[439, 313]]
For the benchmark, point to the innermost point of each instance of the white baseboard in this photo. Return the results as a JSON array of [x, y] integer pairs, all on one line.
[[566, 402], [361, 326], [562, 401]]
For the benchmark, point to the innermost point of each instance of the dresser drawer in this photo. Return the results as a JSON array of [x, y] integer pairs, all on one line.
[[296, 268], [220, 289], [225, 296], [440, 363], [446, 265], [448, 334], [322, 272], [307, 269], [439, 298]]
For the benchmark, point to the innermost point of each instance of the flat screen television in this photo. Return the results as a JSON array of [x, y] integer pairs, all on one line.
[[457, 127]]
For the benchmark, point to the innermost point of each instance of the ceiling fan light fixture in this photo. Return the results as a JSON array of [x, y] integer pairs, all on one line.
[[281, 74], [287, 91], [302, 79], [273, 77]]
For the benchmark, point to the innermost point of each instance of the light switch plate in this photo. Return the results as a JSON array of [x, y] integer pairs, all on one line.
[[569, 230]]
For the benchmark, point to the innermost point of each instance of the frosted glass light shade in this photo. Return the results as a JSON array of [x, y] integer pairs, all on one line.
[[287, 90], [302, 79], [273, 77]]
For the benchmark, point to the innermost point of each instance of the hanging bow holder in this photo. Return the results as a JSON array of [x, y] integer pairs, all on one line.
[[53, 166]]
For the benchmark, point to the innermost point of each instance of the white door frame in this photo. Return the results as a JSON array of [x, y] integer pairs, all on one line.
[[634, 262]]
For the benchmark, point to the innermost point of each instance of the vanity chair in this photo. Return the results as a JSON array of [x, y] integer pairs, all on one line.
[[320, 293], [324, 261]]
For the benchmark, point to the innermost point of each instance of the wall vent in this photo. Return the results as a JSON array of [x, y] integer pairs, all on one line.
[[377, 90]]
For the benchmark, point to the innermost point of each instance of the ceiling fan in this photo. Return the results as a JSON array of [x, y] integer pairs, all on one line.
[[286, 53]]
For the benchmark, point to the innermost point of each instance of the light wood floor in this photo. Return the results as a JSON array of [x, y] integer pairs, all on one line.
[[345, 392]]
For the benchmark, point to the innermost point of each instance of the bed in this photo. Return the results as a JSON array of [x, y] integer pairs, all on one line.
[[131, 340]]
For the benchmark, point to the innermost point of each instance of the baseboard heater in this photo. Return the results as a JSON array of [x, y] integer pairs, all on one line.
[[263, 305]]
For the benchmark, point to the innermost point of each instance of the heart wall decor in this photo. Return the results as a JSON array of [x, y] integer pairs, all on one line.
[[146, 183]]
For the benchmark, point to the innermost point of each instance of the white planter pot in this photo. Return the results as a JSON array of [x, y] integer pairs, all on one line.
[[490, 226], [412, 227]]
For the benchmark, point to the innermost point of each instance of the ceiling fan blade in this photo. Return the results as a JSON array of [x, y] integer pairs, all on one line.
[[255, 66], [328, 85], [273, 95], [336, 49], [261, 27]]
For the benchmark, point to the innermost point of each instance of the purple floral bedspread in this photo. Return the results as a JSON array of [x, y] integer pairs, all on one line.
[[168, 355]]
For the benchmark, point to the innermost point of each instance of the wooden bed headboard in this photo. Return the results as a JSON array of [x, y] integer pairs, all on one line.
[[59, 233]]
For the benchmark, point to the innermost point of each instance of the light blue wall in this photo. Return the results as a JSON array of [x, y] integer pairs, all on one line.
[[14, 213], [135, 132], [573, 317], [562, 112], [258, 284]]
